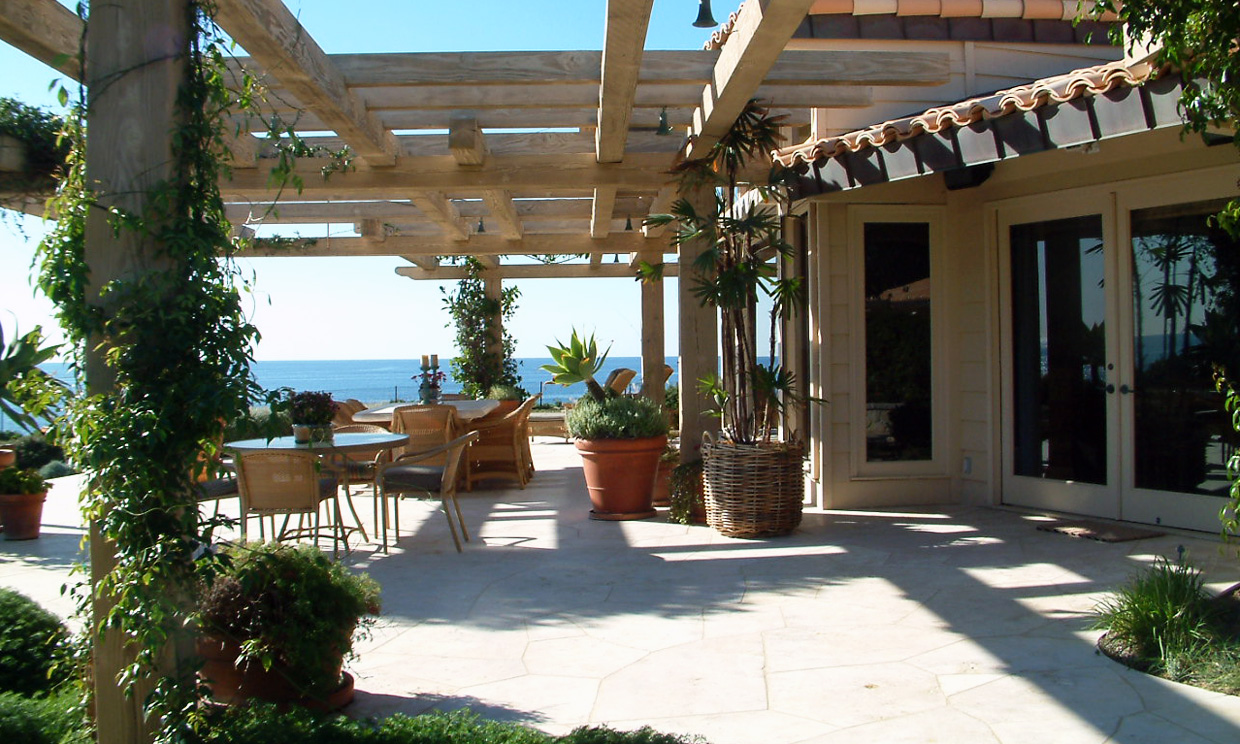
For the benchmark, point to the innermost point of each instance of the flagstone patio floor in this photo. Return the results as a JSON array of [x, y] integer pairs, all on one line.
[[956, 624]]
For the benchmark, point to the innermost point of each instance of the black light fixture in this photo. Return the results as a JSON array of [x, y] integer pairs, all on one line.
[[615, 258], [628, 224], [481, 227], [705, 19], [664, 128]]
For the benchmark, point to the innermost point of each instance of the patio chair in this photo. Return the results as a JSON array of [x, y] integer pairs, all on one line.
[[412, 475], [344, 412], [503, 448], [289, 482], [428, 427], [619, 379]]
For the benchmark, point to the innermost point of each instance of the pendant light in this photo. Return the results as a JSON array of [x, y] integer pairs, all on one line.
[[664, 128], [481, 227], [705, 19]]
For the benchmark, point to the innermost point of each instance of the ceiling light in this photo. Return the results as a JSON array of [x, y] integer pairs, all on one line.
[[705, 19]]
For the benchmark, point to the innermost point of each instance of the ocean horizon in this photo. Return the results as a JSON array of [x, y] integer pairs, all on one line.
[[377, 381]]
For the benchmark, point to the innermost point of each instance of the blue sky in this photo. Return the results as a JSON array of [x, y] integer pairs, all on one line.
[[358, 308]]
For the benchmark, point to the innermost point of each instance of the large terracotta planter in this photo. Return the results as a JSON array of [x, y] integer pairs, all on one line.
[[620, 475], [21, 514], [233, 685]]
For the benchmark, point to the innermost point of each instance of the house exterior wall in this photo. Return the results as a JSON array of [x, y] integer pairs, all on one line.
[[966, 312]]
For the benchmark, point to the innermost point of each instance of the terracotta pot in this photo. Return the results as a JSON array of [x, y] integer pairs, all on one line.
[[662, 494], [620, 475], [233, 685], [21, 514], [8, 457]]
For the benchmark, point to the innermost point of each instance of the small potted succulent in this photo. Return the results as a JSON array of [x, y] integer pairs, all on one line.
[[278, 622], [620, 438], [312, 414], [22, 493]]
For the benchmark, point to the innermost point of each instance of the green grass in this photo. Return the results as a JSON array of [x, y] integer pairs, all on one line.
[[1164, 622]]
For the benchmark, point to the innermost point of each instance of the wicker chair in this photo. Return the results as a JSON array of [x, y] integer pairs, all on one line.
[[503, 448], [288, 482], [428, 427], [619, 379], [412, 474], [344, 412]]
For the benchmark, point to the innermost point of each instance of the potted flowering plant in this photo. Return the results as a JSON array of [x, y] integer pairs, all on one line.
[[22, 493], [312, 414], [620, 438]]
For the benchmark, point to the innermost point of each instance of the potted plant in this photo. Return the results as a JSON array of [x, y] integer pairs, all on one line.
[[620, 438], [312, 414], [22, 493], [277, 623], [509, 397], [754, 482], [662, 495]]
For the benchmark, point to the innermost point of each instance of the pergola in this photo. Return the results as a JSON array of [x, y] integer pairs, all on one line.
[[421, 194]]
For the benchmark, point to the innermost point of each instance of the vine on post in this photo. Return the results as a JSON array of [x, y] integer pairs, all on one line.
[[484, 360], [176, 345]]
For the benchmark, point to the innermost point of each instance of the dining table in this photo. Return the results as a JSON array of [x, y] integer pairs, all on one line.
[[466, 410], [337, 448]]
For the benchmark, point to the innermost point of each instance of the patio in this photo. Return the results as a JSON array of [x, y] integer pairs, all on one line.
[[959, 624]]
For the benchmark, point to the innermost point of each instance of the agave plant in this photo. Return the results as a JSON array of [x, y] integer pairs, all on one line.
[[743, 235], [25, 390], [577, 362]]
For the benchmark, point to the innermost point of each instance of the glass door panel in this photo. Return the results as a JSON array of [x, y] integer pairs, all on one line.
[[1186, 318], [1058, 362]]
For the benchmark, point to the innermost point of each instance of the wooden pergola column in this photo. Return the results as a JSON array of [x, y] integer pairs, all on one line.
[[493, 288], [699, 344], [135, 62], [653, 346]]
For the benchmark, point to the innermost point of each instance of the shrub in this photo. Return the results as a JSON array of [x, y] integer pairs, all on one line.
[[32, 643], [507, 392], [34, 451], [605, 735], [55, 719], [1161, 612], [56, 469], [618, 417], [259, 423]]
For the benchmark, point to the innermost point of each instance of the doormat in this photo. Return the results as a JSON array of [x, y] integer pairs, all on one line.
[[1100, 531]]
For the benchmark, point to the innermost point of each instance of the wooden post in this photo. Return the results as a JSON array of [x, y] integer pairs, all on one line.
[[699, 344], [493, 288], [653, 354], [135, 62]]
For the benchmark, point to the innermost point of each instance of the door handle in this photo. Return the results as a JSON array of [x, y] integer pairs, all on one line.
[[1124, 389], [1110, 389]]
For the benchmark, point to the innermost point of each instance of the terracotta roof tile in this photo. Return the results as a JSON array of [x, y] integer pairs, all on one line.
[[1089, 81], [1056, 10]]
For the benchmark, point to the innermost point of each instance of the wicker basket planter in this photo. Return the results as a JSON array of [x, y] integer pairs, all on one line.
[[753, 490]]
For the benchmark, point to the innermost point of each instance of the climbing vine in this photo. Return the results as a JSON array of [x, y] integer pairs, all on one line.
[[484, 360], [176, 365]]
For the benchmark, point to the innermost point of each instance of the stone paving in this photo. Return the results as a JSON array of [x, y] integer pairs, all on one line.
[[928, 625]]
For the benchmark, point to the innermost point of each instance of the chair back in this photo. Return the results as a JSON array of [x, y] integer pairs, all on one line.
[[426, 426], [279, 481], [452, 457], [344, 413], [362, 457], [619, 379]]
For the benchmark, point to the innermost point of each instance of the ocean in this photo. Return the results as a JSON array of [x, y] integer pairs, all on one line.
[[383, 380]]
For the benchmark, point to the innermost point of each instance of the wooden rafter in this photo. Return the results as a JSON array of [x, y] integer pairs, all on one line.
[[426, 263], [596, 270], [46, 30], [603, 208], [440, 210], [275, 39], [624, 38], [466, 141], [402, 212], [504, 213], [487, 244], [761, 32]]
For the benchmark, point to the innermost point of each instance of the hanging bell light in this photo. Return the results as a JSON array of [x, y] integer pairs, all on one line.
[[615, 258], [664, 128], [705, 19], [628, 224], [481, 227]]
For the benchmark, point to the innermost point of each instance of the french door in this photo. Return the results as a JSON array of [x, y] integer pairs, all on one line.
[[1114, 309]]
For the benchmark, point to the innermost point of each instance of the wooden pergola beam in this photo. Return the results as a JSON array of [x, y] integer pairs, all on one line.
[[425, 263], [601, 212], [590, 270], [761, 32], [441, 211], [639, 172], [277, 41], [623, 41], [46, 30], [486, 244], [403, 212], [504, 213], [466, 141]]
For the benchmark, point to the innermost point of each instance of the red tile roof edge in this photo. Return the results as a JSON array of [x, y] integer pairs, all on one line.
[[1088, 81], [1061, 10]]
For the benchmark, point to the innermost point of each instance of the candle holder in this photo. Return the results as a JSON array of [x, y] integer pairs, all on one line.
[[431, 386]]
